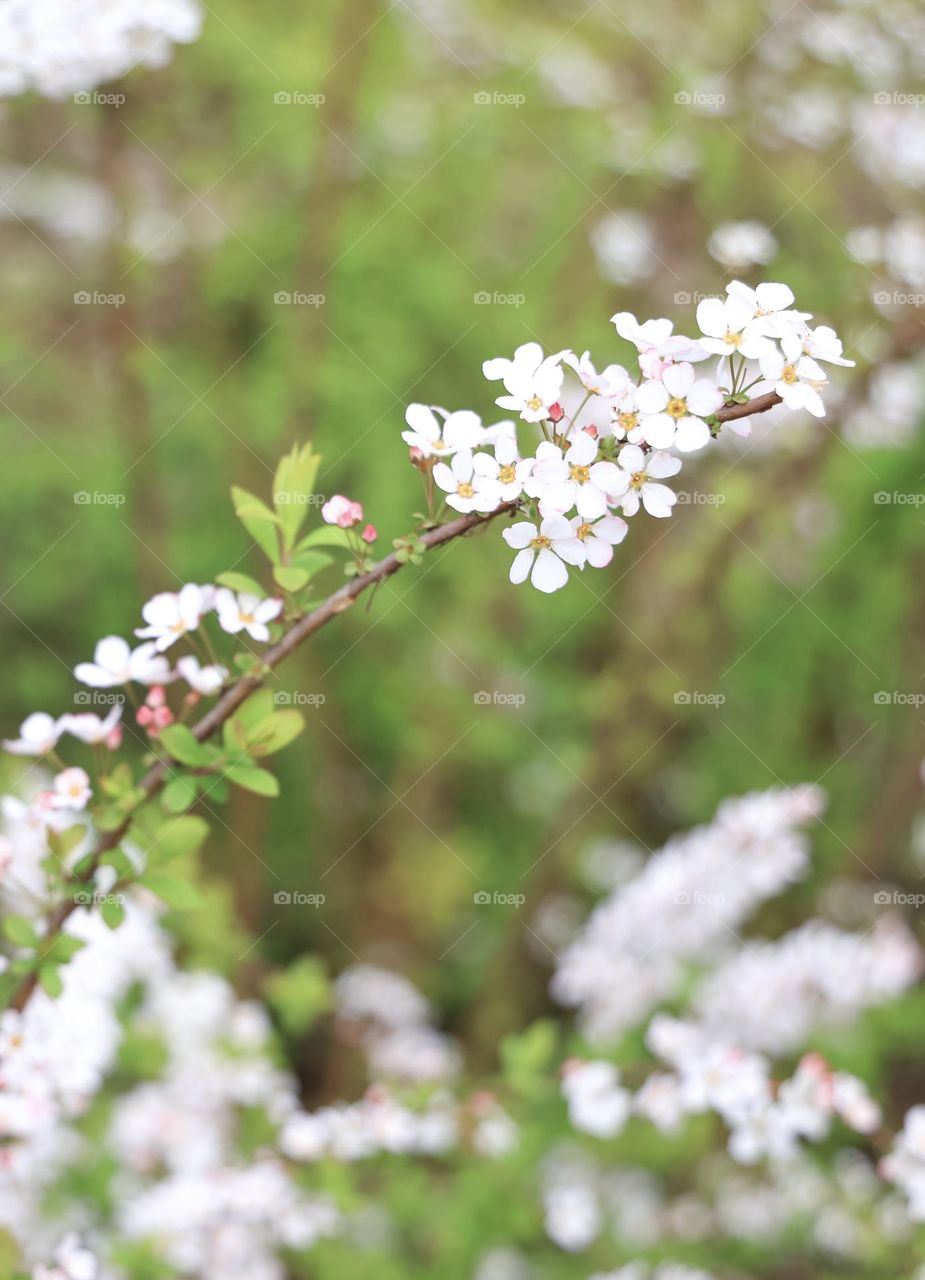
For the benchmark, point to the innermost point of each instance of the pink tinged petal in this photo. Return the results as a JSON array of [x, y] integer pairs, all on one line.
[[651, 397], [658, 500], [692, 434], [678, 379], [549, 573], [519, 535], [598, 553], [774, 297], [711, 317], [631, 458], [520, 569], [611, 529], [661, 465], [659, 430]]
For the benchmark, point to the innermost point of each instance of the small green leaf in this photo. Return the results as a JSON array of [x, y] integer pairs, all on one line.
[[276, 732], [113, 913], [183, 746], [290, 578], [329, 535], [248, 776], [20, 930], [50, 979], [175, 892], [258, 520], [293, 489], [241, 582], [179, 794]]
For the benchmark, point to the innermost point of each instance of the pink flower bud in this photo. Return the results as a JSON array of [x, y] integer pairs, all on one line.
[[144, 716], [191, 698], [163, 716], [114, 738], [415, 456], [369, 534], [592, 431], [342, 512], [156, 696], [556, 412]]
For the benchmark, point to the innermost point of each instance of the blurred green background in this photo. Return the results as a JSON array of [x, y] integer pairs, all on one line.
[[400, 198]]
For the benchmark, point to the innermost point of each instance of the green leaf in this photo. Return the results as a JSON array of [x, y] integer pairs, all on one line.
[[248, 776], [63, 843], [183, 746], [234, 736], [175, 892], [312, 561], [300, 994], [258, 520], [329, 535], [241, 582], [179, 794], [113, 913], [50, 979], [65, 947], [293, 489], [274, 733], [290, 578], [20, 930], [174, 838]]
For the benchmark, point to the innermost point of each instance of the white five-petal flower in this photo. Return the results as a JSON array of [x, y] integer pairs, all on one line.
[[573, 480], [466, 489], [732, 328], [89, 727], [533, 381], [171, 614], [770, 304], [506, 469], [544, 552], [439, 437], [796, 377], [246, 612], [673, 410], [599, 537], [640, 476], [115, 662], [658, 347], [206, 680], [38, 733]]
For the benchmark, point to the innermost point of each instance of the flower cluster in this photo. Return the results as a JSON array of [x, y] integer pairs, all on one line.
[[608, 458], [60, 47]]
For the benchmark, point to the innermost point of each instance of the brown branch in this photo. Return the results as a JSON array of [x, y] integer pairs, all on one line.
[[156, 778]]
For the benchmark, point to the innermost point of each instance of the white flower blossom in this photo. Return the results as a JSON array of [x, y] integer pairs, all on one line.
[[246, 612], [439, 437], [544, 552], [115, 662]]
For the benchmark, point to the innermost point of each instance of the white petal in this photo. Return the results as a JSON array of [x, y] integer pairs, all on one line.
[[711, 317], [631, 458], [549, 573], [582, 450], [692, 434], [556, 527], [658, 499], [651, 397], [661, 465], [679, 379], [444, 478], [611, 529], [659, 430], [521, 566], [420, 418], [774, 297], [519, 535]]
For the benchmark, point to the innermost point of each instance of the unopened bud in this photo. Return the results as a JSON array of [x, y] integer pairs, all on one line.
[[556, 412]]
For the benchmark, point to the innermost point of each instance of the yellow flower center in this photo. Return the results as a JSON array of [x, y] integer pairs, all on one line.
[[534, 403], [581, 475], [676, 408], [583, 531], [247, 618], [638, 479], [465, 490], [541, 542], [507, 474], [733, 339], [627, 420], [789, 375], [177, 627]]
